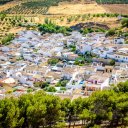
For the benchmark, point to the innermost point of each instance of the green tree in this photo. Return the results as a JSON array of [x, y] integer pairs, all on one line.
[[6, 40], [10, 114], [41, 84], [124, 22], [50, 89], [111, 32], [53, 61], [112, 62]]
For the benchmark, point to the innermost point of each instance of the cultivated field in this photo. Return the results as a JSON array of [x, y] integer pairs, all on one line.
[[10, 25], [62, 20], [66, 8], [83, 8], [65, 14], [8, 5], [116, 8]]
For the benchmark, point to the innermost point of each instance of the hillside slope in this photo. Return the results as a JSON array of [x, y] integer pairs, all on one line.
[[112, 1], [62, 7]]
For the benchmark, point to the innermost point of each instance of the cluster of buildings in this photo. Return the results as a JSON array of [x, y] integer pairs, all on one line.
[[25, 61]]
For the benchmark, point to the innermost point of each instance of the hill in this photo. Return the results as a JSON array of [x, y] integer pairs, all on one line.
[[4, 1], [65, 7], [112, 1], [93, 8]]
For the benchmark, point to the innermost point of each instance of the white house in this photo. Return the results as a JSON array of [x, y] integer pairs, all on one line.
[[96, 82], [83, 48], [121, 57], [4, 49], [119, 40]]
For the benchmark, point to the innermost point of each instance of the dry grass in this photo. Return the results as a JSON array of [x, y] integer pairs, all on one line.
[[16, 29], [77, 7], [65, 10], [83, 8], [116, 8], [80, 8], [110, 21]]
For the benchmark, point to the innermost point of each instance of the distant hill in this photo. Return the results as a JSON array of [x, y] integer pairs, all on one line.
[[51, 6], [4, 1], [32, 6], [112, 1], [87, 1]]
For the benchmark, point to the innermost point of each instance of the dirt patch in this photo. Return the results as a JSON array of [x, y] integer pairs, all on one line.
[[83, 8], [116, 8], [16, 29], [76, 9], [89, 25]]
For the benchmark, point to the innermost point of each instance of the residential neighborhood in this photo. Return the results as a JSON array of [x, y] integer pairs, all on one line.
[[63, 63], [84, 63]]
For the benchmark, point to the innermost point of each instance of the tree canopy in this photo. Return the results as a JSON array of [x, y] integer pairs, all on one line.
[[50, 27], [106, 108]]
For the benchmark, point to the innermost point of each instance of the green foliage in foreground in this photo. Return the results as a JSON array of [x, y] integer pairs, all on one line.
[[41, 109], [50, 27]]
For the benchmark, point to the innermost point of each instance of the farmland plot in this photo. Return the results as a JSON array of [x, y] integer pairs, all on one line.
[[33, 7]]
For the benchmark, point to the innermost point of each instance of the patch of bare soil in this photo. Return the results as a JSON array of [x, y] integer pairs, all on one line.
[[76, 9], [116, 8]]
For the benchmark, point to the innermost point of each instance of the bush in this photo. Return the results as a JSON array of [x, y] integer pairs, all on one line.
[[80, 61], [50, 89], [124, 22], [126, 42], [41, 84], [110, 32], [62, 83], [112, 62], [53, 61], [6, 40], [73, 48], [29, 90], [50, 27]]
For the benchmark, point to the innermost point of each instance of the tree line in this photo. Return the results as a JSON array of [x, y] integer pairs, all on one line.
[[50, 27], [107, 108], [112, 1], [4, 1]]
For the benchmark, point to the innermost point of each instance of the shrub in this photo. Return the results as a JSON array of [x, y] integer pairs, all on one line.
[[53, 61], [41, 84], [124, 22], [110, 32]]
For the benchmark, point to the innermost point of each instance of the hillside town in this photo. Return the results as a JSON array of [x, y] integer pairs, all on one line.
[[83, 63]]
